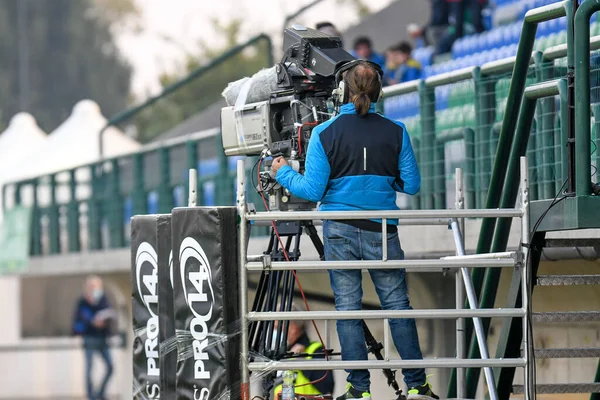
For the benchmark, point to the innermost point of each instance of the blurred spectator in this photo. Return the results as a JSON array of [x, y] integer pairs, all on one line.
[[363, 49], [329, 29], [91, 321], [450, 20], [465, 18], [431, 34], [400, 66]]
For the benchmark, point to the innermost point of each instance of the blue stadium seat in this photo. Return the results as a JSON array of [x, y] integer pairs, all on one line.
[[179, 199], [441, 97], [399, 107], [424, 55], [208, 189], [208, 167], [127, 209], [152, 202]]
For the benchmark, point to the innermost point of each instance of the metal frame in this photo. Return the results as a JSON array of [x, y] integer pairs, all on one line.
[[461, 263]]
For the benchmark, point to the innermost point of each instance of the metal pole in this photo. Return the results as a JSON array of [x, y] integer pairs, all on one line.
[[327, 335], [23, 39], [241, 206], [571, 97], [461, 383], [413, 265], [525, 239], [444, 313], [394, 214], [193, 188], [384, 248], [386, 339], [473, 303], [382, 364], [583, 169]]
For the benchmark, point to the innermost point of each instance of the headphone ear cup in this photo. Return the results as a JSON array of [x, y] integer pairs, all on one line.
[[342, 92]]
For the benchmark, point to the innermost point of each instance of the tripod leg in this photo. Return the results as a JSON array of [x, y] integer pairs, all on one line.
[[259, 300], [316, 240], [271, 305], [288, 304], [282, 333], [374, 347]]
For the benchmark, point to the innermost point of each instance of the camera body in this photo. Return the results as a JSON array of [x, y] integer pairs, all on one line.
[[281, 125]]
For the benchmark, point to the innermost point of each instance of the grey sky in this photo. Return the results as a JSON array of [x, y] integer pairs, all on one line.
[[173, 27]]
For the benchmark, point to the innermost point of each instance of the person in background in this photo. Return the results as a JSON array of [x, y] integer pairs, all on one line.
[[450, 20], [400, 66], [329, 29], [465, 18], [91, 321], [432, 33], [298, 342], [363, 49]]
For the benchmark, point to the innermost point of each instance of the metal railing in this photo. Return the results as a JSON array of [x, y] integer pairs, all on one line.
[[461, 263]]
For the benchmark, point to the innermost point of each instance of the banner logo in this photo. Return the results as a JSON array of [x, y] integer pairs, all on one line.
[[171, 267], [200, 300], [146, 273]]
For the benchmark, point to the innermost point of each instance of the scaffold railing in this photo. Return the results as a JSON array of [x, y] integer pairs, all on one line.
[[460, 264]]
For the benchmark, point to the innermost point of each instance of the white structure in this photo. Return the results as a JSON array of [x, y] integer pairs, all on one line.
[[73, 143], [76, 142], [18, 142]]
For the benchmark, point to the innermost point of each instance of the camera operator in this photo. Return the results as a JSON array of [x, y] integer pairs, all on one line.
[[357, 161]]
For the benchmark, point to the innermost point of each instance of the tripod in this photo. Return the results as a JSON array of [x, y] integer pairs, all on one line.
[[275, 292]]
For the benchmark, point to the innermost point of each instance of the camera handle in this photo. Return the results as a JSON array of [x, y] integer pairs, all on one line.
[[275, 292]]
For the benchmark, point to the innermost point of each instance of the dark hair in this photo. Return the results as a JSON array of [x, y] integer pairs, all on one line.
[[402, 47], [364, 84], [362, 41], [324, 24]]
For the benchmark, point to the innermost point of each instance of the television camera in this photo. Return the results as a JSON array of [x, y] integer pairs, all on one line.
[[281, 122]]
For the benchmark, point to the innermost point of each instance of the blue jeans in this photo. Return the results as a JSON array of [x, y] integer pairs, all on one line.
[[98, 345], [345, 242]]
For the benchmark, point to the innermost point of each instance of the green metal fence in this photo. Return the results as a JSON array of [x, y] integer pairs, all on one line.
[[465, 133]]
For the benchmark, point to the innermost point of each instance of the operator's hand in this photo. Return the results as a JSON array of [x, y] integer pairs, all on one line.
[[99, 323], [278, 163]]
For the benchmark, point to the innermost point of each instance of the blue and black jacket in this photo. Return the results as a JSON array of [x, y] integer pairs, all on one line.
[[84, 316], [356, 163]]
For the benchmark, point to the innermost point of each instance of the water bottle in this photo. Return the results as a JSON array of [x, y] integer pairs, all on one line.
[[287, 391]]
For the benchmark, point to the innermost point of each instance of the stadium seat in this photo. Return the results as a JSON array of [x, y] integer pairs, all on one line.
[[208, 167], [461, 94], [152, 202], [441, 97]]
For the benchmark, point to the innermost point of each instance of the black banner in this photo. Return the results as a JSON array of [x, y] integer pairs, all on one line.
[[144, 278], [166, 317], [205, 277]]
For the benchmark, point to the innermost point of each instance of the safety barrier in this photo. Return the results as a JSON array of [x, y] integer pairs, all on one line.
[[460, 263]]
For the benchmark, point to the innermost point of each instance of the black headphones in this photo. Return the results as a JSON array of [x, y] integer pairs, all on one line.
[[341, 92]]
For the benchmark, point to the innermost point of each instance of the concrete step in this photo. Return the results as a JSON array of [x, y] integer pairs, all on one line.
[[566, 316], [563, 388], [567, 280], [578, 352]]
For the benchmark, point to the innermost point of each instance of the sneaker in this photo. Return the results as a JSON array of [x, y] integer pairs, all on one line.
[[422, 392], [353, 394]]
